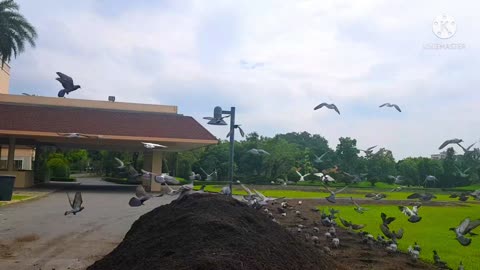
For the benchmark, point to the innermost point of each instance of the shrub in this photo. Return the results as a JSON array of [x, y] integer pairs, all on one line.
[[58, 167]]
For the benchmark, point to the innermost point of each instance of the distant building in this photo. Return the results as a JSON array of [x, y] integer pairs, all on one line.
[[4, 78], [442, 155]]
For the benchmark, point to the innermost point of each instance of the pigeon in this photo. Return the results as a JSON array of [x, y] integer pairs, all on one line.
[[161, 178], [30, 95], [461, 197], [264, 200], [239, 129], [254, 151], [376, 196], [218, 120], [414, 254], [76, 204], [226, 191], [78, 135], [476, 194], [332, 198], [329, 106], [465, 227], [412, 214], [391, 234], [430, 178], [422, 197], [357, 178], [369, 150], [149, 145], [194, 176], [466, 150], [391, 105], [121, 165], [141, 197], [67, 83], [447, 142], [302, 177], [350, 225], [460, 266], [462, 174], [397, 179], [211, 176], [386, 220], [395, 189], [319, 159], [438, 262], [357, 207]]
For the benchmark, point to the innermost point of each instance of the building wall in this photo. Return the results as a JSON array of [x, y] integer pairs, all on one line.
[[4, 79], [23, 158]]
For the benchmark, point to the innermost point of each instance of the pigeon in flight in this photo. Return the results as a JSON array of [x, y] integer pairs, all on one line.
[[239, 129], [121, 165], [447, 142], [152, 145], [430, 178], [357, 207], [329, 106], [302, 177], [141, 197], [212, 176], [76, 204], [462, 174], [466, 150], [350, 225], [397, 179], [422, 197], [356, 178], [369, 150], [332, 197], [376, 196], [254, 151], [319, 159], [391, 105], [465, 227], [30, 95], [78, 135], [67, 83], [412, 214], [214, 120]]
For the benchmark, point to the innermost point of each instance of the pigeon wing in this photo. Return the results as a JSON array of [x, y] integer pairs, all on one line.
[[340, 190], [69, 200], [385, 231], [335, 108], [65, 80], [120, 162], [246, 189], [140, 192], [345, 223], [399, 234], [241, 132], [445, 143], [414, 196], [472, 225], [397, 107], [383, 105], [320, 106], [77, 201], [134, 202]]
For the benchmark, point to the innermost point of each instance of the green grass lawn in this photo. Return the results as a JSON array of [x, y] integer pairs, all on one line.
[[430, 233], [17, 198]]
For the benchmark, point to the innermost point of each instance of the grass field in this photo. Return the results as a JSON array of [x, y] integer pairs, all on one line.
[[16, 198], [430, 233]]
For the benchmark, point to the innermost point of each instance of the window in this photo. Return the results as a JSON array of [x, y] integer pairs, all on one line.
[[18, 164]]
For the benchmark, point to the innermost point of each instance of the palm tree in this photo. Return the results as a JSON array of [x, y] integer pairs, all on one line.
[[15, 31]]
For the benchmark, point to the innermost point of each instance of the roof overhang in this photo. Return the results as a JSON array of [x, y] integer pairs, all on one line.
[[120, 126]]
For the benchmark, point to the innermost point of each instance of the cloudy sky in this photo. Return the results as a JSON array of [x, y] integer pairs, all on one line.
[[273, 60]]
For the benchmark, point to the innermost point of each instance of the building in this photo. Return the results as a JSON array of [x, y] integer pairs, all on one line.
[[4, 79], [441, 155], [27, 122]]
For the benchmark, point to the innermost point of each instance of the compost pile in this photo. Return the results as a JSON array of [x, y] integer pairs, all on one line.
[[210, 231]]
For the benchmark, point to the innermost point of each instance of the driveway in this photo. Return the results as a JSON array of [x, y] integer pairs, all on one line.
[[37, 235]]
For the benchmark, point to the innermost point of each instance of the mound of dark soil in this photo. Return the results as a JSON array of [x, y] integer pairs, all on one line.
[[209, 231]]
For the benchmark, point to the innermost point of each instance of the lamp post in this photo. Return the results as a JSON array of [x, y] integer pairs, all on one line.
[[217, 120]]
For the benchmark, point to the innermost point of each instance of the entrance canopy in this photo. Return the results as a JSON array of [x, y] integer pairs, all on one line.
[[113, 125]]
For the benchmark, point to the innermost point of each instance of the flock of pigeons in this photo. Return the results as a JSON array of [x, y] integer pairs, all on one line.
[[335, 108]]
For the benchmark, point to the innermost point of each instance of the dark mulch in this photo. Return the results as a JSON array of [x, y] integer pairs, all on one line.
[[210, 231]]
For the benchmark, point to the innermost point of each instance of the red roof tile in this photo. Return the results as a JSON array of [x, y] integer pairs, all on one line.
[[101, 122]]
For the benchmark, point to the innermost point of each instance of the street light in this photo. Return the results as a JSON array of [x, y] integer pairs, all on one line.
[[217, 120]]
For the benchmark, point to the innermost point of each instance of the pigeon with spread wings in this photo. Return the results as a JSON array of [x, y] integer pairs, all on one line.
[[75, 204], [329, 106], [391, 105], [67, 83]]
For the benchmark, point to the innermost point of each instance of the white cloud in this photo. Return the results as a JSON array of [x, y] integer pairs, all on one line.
[[357, 54]]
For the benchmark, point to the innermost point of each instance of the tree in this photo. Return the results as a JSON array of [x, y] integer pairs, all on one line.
[[15, 31], [347, 154], [78, 159], [380, 166], [408, 169]]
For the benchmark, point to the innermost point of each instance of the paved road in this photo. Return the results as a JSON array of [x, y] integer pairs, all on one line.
[[37, 235]]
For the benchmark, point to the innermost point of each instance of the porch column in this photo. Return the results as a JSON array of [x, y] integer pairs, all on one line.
[[152, 162], [11, 154]]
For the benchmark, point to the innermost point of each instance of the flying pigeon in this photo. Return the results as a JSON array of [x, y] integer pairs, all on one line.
[[254, 151], [76, 204], [264, 200], [357, 207], [332, 198], [447, 142], [239, 129], [120, 162], [412, 214], [350, 225], [376, 196], [319, 159], [397, 179], [213, 175], [465, 227], [422, 197], [466, 150], [438, 261], [391, 105], [213, 120], [78, 135], [357, 178], [302, 177], [391, 234], [67, 83], [329, 106], [430, 178], [369, 150], [462, 174], [141, 197], [152, 145]]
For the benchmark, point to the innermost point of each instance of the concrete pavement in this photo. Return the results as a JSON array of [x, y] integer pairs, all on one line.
[[37, 235]]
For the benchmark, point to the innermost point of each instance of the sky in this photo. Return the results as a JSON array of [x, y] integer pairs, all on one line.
[[274, 60]]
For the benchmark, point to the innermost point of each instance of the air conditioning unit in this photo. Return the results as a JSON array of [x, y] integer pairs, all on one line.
[[111, 98]]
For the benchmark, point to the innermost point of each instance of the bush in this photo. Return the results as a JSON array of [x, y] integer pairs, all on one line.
[[63, 179], [58, 167]]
